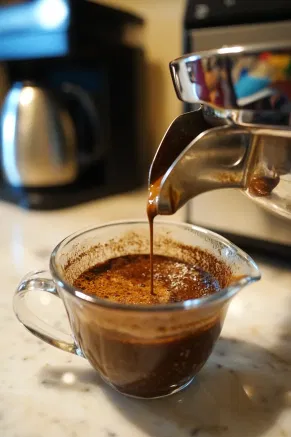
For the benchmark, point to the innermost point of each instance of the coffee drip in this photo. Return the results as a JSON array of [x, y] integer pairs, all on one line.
[[152, 212], [263, 186]]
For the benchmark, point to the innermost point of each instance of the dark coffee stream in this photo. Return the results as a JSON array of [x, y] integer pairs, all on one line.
[[152, 212]]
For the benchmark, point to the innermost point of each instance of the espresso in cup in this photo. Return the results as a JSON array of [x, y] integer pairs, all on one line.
[[127, 280], [142, 366]]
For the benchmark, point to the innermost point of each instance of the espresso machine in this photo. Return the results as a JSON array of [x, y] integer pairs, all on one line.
[[229, 155]]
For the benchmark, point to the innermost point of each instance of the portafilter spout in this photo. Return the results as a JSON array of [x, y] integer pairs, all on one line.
[[194, 157]]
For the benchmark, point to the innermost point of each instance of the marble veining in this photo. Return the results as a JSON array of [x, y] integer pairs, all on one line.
[[244, 390]]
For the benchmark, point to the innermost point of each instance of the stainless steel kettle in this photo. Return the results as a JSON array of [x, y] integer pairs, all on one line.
[[240, 134], [37, 139]]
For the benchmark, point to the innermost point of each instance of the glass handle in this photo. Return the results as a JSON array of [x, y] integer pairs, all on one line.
[[41, 281]]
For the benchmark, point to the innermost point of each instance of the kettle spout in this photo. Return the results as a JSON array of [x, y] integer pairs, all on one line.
[[194, 158]]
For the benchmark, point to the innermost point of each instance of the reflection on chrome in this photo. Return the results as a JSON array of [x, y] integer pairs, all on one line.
[[249, 391], [26, 96], [248, 78]]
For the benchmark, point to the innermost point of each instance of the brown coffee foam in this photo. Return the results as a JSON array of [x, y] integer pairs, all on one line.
[[127, 280]]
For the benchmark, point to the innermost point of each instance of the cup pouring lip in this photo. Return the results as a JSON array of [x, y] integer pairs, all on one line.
[[213, 299]]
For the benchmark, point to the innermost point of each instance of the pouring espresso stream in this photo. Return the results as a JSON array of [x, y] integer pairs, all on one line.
[[153, 192]]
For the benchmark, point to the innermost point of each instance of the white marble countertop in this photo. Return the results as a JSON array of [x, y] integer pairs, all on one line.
[[244, 390]]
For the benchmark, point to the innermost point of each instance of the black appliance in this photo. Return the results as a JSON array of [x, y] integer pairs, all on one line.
[[81, 45]]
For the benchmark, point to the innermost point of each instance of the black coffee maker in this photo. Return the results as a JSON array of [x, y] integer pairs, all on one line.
[[74, 104]]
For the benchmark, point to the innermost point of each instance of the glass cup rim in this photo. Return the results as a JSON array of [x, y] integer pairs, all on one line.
[[224, 294]]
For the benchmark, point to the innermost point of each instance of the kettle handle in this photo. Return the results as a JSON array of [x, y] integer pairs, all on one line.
[[88, 105]]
